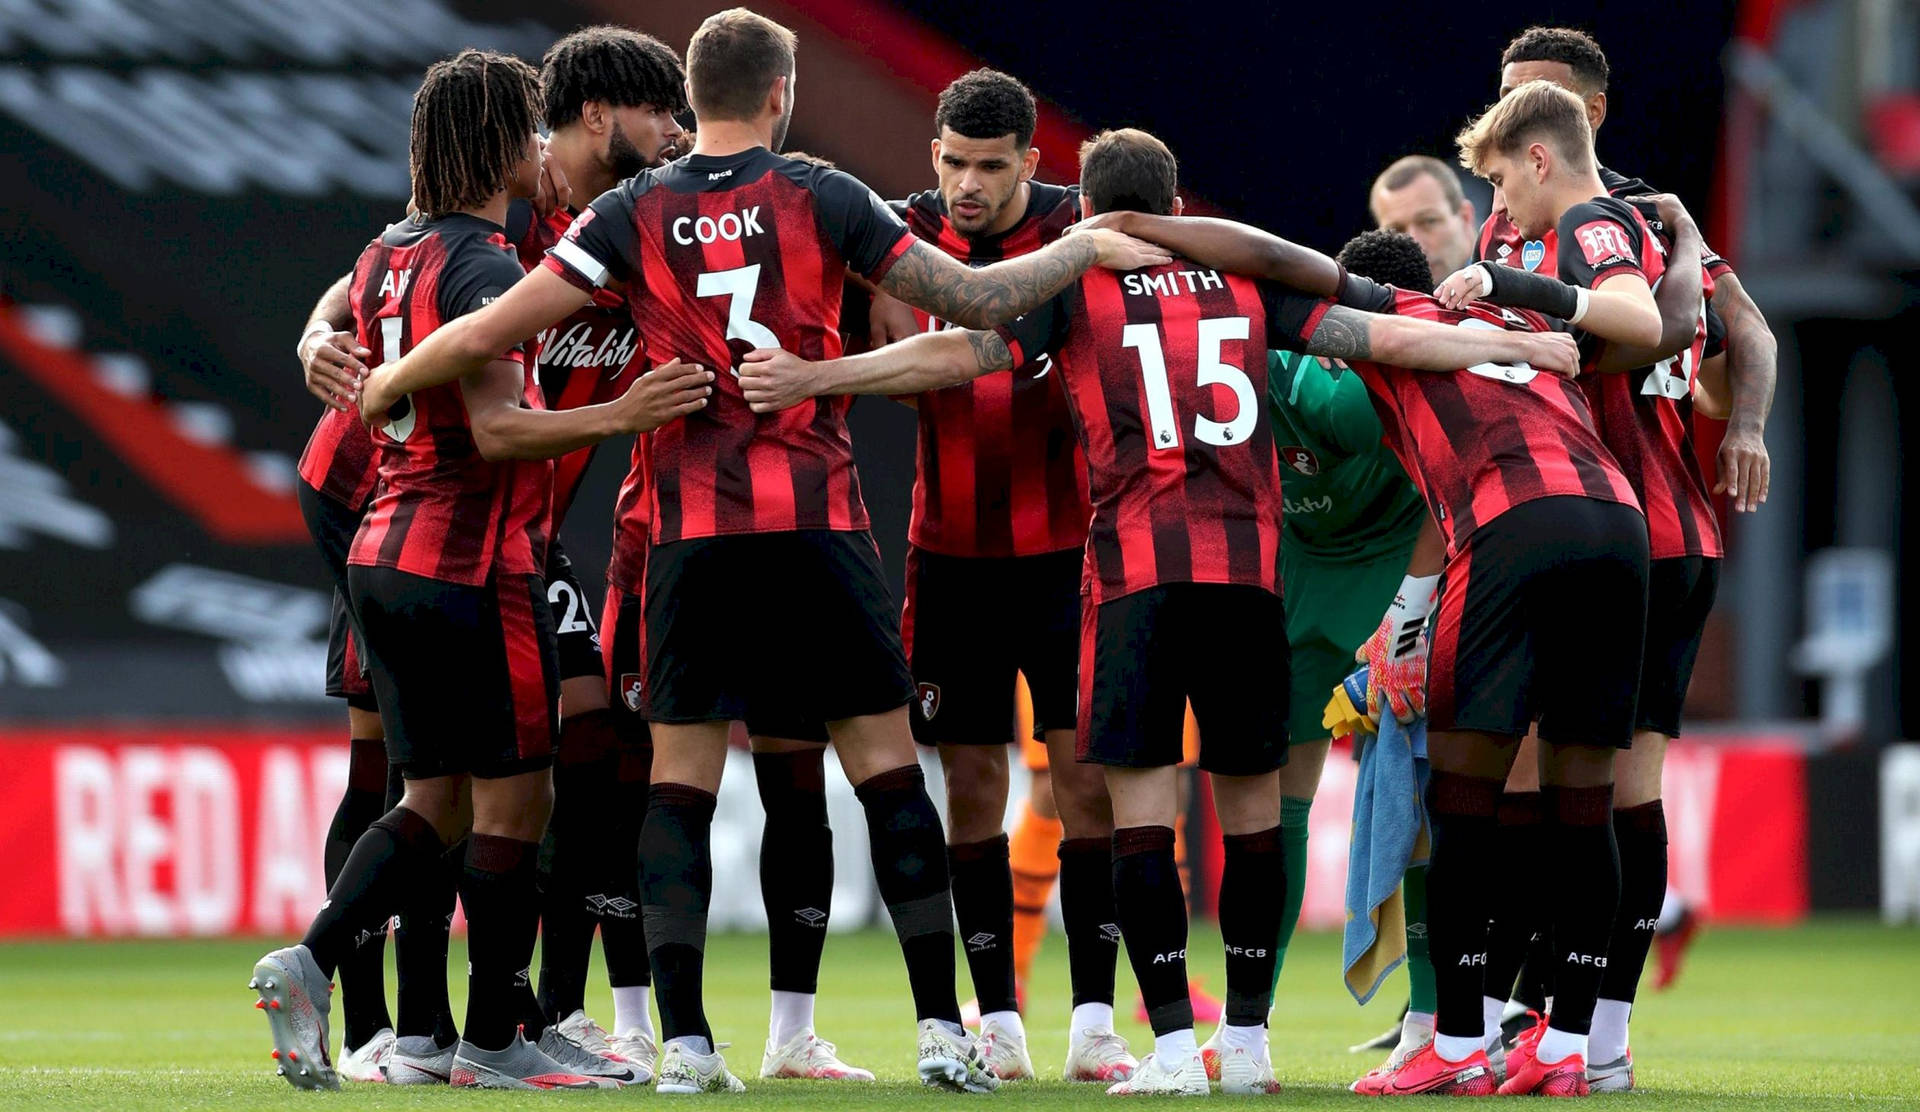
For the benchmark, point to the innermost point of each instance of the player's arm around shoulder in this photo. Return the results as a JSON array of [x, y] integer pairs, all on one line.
[[1229, 246], [469, 343], [929, 279], [772, 379], [1597, 252], [1421, 345], [504, 428]]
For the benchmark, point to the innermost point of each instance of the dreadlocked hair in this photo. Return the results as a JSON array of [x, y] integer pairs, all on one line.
[[471, 120], [615, 64]]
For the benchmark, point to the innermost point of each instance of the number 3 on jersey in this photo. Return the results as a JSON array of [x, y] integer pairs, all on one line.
[[1161, 420], [738, 286]]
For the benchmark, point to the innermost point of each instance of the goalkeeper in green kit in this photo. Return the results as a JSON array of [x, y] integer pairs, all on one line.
[[1352, 538]]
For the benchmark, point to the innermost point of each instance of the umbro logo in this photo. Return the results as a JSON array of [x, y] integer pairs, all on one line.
[[1416, 930], [523, 978], [618, 907], [1504, 250], [811, 917], [1111, 931], [984, 940]]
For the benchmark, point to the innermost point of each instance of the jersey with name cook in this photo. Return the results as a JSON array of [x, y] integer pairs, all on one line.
[[999, 471], [442, 511], [1482, 440], [588, 359], [1166, 370], [721, 255], [1644, 416], [1346, 496]]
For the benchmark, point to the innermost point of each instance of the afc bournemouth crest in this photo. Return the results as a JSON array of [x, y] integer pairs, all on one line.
[[929, 696], [1300, 459], [1532, 254], [630, 690]]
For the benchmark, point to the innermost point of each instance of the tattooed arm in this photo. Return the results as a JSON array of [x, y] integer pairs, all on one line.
[[927, 278], [1421, 345], [772, 379]]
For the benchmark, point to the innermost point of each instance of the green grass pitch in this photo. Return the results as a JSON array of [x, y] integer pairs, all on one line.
[[1826, 1016]]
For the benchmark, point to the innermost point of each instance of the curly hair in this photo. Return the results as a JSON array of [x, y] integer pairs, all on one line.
[[1391, 257], [1574, 48], [613, 64], [472, 120], [986, 104]]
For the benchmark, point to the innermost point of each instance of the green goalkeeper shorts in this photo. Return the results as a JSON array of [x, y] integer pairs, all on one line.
[[1333, 606]]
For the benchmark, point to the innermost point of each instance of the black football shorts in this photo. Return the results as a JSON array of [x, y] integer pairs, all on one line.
[[1680, 595], [972, 624], [572, 617], [1145, 656], [779, 630], [1542, 617], [332, 526], [467, 677]]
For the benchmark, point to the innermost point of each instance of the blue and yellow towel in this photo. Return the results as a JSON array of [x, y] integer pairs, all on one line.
[[1389, 833]]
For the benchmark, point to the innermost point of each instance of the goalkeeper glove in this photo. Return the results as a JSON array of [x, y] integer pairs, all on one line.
[[1396, 654]]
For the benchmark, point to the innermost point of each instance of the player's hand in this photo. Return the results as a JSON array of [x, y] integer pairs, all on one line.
[[1119, 251], [889, 319], [1555, 352], [1116, 221], [555, 194], [1396, 654], [332, 362], [377, 395], [1745, 469], [668, 392], [773, 379], [1469, 283], [1672, 213]]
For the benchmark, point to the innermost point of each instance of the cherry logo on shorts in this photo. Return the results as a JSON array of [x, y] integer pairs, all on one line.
[[630, 690], [1300, 459], [929, 700]]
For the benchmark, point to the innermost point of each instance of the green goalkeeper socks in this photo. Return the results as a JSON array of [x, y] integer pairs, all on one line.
[[1293, 846]]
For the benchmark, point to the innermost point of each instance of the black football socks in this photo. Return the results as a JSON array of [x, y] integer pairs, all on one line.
[[383, 861], [1583, 902], [572, 858], [1093, 926], [1641, 833], [796, 865], [1517, 913], [623, 931], [983, 902], [1252, 868], [1461, 814], [676, 890], [1153, 920], [498, 887], [420, 948], [910, 868], [362, 972]]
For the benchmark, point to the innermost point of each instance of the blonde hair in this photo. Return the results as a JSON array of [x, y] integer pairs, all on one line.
[[1537, 110]]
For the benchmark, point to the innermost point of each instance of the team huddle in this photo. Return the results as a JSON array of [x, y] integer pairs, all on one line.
[[1139, 433]]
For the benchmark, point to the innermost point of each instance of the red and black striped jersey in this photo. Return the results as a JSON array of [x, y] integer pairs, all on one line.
[[587, 359], [999, 471], [339, 460], [441, 510], [1644, 416], [1482, 440], [1166, 376], [721, 255]]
